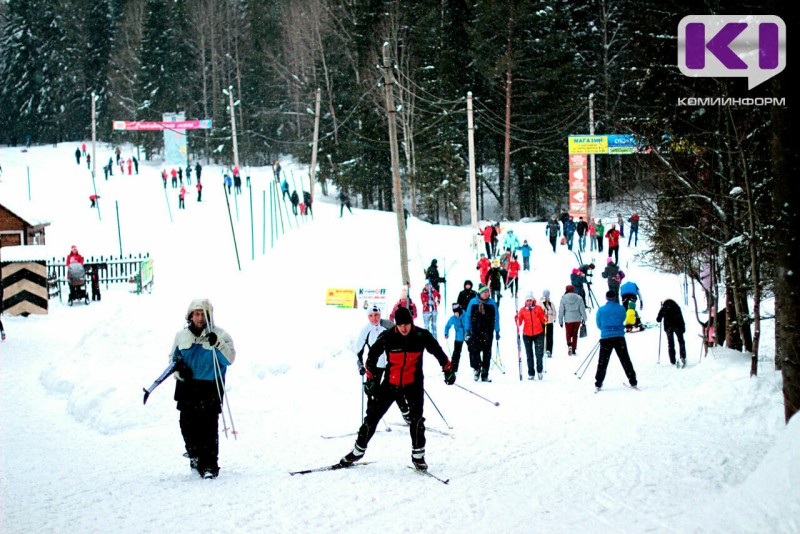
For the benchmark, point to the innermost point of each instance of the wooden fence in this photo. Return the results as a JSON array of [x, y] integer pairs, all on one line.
[[111, 269]]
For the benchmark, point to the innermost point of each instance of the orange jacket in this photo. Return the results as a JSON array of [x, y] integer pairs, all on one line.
[[532, 320]]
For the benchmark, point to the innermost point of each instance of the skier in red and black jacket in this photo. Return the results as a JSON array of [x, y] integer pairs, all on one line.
[[402, 378]]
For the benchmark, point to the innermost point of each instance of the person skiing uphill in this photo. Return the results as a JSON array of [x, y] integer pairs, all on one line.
[[432, 274], [511, 241], [403, 347], [670, 312], [456, 322], [203, 352], [483, 317], [610, 320], [614, 275], [466, 295], [532, 319], [484, 264], [404, 302], [553, 230], [430, 307]]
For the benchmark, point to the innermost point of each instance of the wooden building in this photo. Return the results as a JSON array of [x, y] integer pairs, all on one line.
[[20, 226]]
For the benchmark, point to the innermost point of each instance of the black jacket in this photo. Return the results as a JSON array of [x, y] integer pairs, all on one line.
[[466, 296], [673, 318], [433, 275], [404, 355]]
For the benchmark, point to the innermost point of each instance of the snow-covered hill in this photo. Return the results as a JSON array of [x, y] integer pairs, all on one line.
[[701, 449]]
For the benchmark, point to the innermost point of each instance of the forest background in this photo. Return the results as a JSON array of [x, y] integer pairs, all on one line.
[[713, 187]]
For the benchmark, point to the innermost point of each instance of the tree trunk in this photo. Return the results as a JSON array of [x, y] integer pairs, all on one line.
[[507, 144]]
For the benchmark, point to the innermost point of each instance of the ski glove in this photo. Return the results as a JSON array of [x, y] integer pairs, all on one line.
[[361, 369], [370, 387], [450, 377], [212, 339], [467, 337], [182, 369], [497, 336]]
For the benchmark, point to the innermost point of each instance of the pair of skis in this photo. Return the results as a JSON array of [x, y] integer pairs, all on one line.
[[626, 384], [337, 467], [388, 429]]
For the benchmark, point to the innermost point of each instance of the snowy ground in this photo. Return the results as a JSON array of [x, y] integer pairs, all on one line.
[[702, 449]]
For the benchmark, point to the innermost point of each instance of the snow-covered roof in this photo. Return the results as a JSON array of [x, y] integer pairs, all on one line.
[[24, 253], [25, 211]]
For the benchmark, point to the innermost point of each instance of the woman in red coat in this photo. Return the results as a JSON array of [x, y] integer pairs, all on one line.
[[74, 256], [531, 318]]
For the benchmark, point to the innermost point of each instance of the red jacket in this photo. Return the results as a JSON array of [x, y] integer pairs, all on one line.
[[404, 304], [532, 320], [404, 356], [429, 304], [483, 267], [73, 257], [613, 237], [513, 269], [487, 234]]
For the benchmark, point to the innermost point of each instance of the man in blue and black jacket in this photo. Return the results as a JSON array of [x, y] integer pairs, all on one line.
[[610, 320]]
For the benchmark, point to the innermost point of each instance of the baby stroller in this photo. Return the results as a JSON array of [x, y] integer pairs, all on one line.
[[76, 276]]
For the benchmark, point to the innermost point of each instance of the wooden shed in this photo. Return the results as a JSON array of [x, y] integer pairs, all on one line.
[[19, 225]]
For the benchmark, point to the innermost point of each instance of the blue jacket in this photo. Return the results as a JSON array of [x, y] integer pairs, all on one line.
[[611, 320], [458, 324], [526, 251], [483, 322], [569, 227], [630, 288]]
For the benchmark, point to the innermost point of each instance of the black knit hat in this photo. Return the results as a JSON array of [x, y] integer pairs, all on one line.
[[402, 316]]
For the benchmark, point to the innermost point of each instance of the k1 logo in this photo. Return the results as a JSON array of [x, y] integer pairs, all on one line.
[[741, 46]]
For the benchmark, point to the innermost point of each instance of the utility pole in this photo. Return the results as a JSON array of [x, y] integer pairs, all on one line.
[[229, 92], [473, 196], [388, 81], [94, 135], [313, 171], [592, 177]]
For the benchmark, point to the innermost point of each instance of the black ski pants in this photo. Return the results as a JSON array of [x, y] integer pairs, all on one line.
[[411, 395], [614, 251], [671, 344], [553, 239], [480, 355], [618, 345], [531, 343], [199, 427], [456, 357]]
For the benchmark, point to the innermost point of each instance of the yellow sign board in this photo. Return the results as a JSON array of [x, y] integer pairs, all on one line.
[[341, 298], [588, 144]]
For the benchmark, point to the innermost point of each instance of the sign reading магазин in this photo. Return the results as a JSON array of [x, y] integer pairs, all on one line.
[[618, 144], [732, 46]]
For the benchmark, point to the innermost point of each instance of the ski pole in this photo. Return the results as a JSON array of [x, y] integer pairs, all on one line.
[[437, 409], [218, 380], [499, 359], [362, 399], [659, 343], [588, 360], [484, 398], [224, 399]]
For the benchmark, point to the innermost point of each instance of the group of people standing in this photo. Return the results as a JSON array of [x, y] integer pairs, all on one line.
[[595, 231]]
